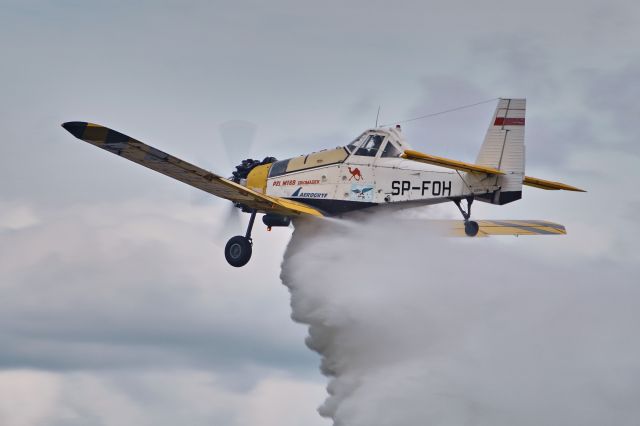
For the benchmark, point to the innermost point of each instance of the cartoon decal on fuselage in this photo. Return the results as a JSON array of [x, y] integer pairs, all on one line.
[[355, 173], [361, 192]]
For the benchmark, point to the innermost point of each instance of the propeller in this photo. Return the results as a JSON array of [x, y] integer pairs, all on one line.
[[230, 223], [238, 137]]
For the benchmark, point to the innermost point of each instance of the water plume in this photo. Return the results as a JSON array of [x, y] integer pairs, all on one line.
[[417, 329]]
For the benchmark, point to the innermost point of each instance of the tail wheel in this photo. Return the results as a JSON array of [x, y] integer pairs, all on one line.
[[238, 251], [471, 228]]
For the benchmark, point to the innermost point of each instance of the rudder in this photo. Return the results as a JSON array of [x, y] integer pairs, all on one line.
[[503, 149]]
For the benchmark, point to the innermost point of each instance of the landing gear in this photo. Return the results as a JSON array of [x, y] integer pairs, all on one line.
[[471, 227], [238, 251], [239, 248]]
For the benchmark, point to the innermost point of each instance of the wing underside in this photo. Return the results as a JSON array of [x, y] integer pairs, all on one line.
[[154, 159]]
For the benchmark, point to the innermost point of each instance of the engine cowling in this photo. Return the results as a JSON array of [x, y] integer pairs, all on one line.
[[243, 169], [242, 172]]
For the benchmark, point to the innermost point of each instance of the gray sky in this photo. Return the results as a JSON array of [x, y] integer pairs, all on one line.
[[116, 304]]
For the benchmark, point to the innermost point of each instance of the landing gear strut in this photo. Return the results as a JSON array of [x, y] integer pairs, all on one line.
[[471, 227], [239, 248]]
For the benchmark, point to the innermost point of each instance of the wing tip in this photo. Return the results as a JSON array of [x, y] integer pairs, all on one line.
[[549, 184], [76, 128], [572, 188]]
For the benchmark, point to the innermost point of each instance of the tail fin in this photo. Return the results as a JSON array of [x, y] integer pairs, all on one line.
[[503, 149]]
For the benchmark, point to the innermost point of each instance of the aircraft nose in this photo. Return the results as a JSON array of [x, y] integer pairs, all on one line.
[[76, 128]]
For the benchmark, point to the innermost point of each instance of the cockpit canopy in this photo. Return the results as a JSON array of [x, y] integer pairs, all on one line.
[[368, 144], [371, 142]]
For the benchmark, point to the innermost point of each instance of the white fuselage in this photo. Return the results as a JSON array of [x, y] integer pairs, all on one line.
[[368, 172], [365, 181]]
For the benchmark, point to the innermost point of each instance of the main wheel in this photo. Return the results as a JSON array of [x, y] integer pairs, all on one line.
[[238, 251], [471, 228]]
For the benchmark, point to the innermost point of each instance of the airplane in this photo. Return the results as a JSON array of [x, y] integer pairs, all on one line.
[[377, 169]]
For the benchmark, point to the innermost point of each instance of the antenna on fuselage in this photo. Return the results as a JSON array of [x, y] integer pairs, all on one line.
[[377, 116]]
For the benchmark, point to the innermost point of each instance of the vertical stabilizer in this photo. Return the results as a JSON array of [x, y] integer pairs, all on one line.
[[503, 149]]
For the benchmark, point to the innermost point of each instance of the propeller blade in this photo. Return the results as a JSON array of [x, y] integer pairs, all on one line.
[[238, 137], [230, 224], [201, 198]]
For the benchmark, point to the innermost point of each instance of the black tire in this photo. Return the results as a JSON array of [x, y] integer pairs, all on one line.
[[238, 251], [471, 228]]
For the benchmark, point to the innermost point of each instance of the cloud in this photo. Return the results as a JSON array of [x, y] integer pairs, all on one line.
[[151, 397], [119, 314], [26, 397], [87, 289], [15, 216]]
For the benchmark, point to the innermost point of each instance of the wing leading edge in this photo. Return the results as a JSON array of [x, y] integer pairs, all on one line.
[[154, 159]]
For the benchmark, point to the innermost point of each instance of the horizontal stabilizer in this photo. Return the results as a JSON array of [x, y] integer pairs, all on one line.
[[549, 184], [154, 159], [507, 227], [410, 154], [455, 228]]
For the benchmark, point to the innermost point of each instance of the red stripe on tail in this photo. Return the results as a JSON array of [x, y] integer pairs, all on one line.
[[502, 121]]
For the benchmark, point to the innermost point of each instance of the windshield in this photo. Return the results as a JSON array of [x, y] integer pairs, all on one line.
[[355, 144], [370, 146]]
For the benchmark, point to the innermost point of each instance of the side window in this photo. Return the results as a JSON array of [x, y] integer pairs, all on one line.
[[278, 168], [370, 146], [390, 150]]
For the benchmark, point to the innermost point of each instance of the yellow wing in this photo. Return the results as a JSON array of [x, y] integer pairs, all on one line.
[[410, 154], [549, 184], [507, 227], [154, 159]]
